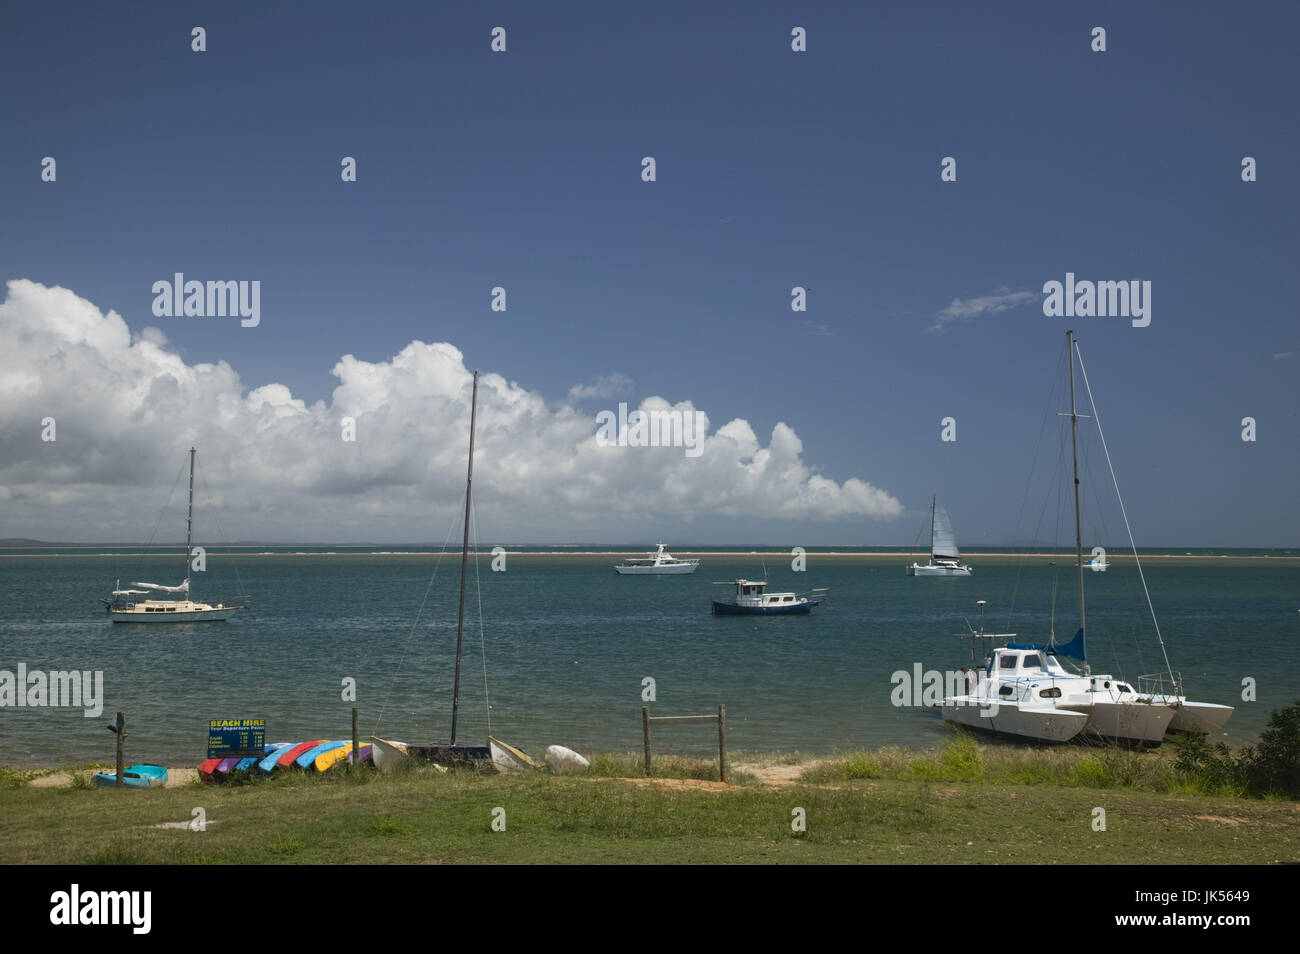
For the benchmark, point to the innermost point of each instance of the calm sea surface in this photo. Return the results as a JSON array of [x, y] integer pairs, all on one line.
[[568, 644]]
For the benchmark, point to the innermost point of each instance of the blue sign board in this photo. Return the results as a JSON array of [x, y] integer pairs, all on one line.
[[236, 738]]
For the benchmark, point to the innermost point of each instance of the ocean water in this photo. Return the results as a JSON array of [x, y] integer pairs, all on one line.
[[566, 645]]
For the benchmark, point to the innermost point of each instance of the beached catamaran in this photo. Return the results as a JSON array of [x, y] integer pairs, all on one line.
[[387, 753], [1024, 690], [125, 608]]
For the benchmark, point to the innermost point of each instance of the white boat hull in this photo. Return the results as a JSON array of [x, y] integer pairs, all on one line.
[[918, 569], [1040, 723], [213, 614], [1140, 722], [385, 754], [671, 569], [1199, 717], [508, 759]]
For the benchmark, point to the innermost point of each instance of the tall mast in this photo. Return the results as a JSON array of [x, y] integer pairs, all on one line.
[[933, 501], [189, 527], [464, 559], [1074, 450]]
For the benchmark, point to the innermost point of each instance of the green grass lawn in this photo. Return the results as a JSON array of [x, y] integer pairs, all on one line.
[[863, 808]]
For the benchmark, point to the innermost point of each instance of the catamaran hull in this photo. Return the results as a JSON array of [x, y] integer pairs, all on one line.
[[731, 609], [1133, 722], [1037, 724], [194, 616], [656, 570], [916, 569], [509, 759], [387, 755], [1199, 717]]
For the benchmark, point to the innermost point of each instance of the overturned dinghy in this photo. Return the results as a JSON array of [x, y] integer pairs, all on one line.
[[565, 761]]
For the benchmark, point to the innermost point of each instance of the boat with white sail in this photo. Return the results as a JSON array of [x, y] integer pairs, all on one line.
[[124, 607], [658, 563], [945, 558]]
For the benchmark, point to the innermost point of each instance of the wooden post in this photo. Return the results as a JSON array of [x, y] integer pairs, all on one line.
[[722, 742], [645, 726], [120, 731], [355, 747]]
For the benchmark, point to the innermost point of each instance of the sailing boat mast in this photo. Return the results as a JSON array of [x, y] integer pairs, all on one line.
[[1074, 450], [464, 559], [189, 527]]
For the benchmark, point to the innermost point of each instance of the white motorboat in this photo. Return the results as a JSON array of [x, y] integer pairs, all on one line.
[[658, 563], [752, 599], [945, 558]]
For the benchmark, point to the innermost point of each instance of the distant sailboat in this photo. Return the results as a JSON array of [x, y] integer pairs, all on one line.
[[124, 608], [945, 558]]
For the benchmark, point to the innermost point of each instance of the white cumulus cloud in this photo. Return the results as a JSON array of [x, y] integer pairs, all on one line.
[[274, 468]]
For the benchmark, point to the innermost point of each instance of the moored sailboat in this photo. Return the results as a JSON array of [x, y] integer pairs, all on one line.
[[124, 608], [945, 558]]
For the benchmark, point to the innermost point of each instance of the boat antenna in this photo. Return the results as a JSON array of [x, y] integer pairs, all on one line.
[[1078, 535], [189, 527], [464, 559]]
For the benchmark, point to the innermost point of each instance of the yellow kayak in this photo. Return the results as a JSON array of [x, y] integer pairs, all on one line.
[[328, 759]]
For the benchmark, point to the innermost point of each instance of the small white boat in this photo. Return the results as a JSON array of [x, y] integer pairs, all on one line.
[[660, 562], [945, 558], [753, 599], [125, 608]]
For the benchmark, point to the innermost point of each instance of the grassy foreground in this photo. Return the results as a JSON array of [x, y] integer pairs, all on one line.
[[962, 804]]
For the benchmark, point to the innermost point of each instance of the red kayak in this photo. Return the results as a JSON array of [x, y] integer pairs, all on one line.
[[207, 767], [288, 755]]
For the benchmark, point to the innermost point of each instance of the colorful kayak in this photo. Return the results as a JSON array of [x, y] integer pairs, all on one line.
[[364, 754], [225, 765], [308, 759], [267, 764], [286, 758], [207, 767], [137, 776], [328, 759]]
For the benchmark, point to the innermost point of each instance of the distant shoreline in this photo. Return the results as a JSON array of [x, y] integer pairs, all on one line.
[[901, 556]]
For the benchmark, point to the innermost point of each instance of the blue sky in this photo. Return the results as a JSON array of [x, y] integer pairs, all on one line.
[[774, 169]]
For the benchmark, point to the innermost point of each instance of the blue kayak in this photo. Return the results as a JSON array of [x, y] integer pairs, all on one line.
[[245, 764], [308, 758], [137, 776], [267, 764]]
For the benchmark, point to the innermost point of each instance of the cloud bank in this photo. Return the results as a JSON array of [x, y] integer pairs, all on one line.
[[273, 468]]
